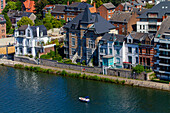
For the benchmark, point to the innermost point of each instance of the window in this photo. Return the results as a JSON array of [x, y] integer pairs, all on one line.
[[130, 59], [109, 11], [28, 33], [57, 17], [117, 51], [118, 60], [143, 26], [101, 50], [67, 19], [109, 16], [3, 31], [62, 16], [117, 25], [110, 51], [73, 51], [144, 61], [123, 29], [130, 41], [91, 44], [129, 49], [140, 26], [140, 60], [72, 34], [137, 60], [3, 36], [136, 50], [73, 41], [2, 25], [91, 35], [141, 50]]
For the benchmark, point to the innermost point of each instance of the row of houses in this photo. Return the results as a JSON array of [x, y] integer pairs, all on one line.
[[92, 39]]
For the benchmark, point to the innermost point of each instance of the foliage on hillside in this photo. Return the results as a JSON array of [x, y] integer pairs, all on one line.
[[25, 21]]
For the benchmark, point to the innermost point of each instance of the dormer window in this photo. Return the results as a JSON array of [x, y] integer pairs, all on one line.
[[41, 34], [130, 41], [28, 33]]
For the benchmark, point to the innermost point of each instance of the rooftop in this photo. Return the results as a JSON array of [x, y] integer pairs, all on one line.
[[121, 17], [165, 27], [2, 19], [81, 5], [113, 37], [161, 9], [59, 8], [141, 36], [109, 5], [98, 23], [29, 4]]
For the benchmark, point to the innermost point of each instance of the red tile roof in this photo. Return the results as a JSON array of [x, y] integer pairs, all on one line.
[[29, 5], [47, 6]]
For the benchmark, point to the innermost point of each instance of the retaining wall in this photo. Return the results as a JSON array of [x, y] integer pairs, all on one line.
[[24, 59]]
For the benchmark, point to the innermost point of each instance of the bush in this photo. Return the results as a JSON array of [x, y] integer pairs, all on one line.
[[31, 56], [45, 57], [138, 69], [19, 66], [64, 73]]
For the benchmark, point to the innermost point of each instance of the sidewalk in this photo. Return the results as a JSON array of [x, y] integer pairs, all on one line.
[[140, 83]]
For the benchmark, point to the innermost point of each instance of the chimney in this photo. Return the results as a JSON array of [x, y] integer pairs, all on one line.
[[72, 2], [38, 31], [68, 3], [94, 4]]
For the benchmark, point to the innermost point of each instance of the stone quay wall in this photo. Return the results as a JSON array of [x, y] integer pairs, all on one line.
[[53, 63]]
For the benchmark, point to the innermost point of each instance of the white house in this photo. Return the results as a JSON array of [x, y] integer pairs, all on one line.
[[112, 45], [132, 50], [29, 40]]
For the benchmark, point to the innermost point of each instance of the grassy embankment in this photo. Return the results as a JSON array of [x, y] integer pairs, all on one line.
[[65, 73]]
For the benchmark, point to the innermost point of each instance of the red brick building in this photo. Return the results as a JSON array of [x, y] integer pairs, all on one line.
[[2, 5], [2, 27], [58, 11], [106, 10], [127, 7], [125, 22]]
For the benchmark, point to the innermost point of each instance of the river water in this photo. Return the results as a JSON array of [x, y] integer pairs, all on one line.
[[26, 91]]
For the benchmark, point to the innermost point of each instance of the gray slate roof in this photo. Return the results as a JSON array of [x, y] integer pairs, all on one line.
[[59, 8], [109, 5], [141, 36], [114, 37], [28, 14], [100, 25], [2, 19], [138, 11], [81, 5], [121, 17], [42, 28], [161, 9], [16, 13], [165, 27]]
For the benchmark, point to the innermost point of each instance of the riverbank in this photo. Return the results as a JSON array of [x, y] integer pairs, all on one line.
[[85, 75]]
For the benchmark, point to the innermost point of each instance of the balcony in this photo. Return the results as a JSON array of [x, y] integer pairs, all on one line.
[[152, 29], [157, 62]]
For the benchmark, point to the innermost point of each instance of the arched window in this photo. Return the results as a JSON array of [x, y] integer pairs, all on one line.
[[28, 33]]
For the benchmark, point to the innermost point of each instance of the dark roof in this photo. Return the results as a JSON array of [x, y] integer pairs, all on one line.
[[99, 24], [28, 14], [23, 27], [165, 27], [2, 19], [139, 11], [109, 5], [141, 36], [121, 17], [162, 8], [81, 5], [14, 13], [113, 37], [59, 8], [42, 28]]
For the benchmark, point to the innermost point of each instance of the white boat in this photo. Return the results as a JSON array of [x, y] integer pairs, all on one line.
[[84, 99]]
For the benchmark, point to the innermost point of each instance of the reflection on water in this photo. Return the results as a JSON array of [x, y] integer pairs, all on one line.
[[25, 91]]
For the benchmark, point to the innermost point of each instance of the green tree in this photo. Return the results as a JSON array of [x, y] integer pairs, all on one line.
[[148, 6], [138, 69], [98, 3], [39, 5], [18, 5], [38, 22], [56, 23], [25, 21], [48, 26], [8, 23]]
